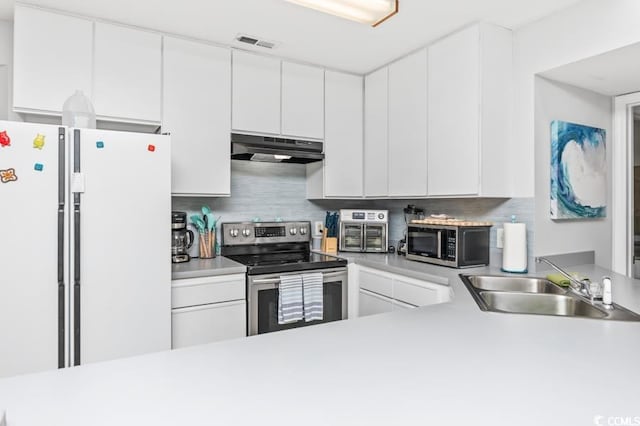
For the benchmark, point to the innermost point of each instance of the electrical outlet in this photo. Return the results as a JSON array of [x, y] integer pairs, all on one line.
[[500, 238], [318, 227]]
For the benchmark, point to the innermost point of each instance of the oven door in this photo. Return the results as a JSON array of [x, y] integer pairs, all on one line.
[[375, 238], [425, 242], [262, 301], [351, 236]]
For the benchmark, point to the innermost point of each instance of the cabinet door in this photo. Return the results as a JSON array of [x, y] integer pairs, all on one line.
[[373, 304], [52, 59], [197, 112], [454, 114], [302, 101], [408, 126], [376, 114], [197, 325], [401, 306], [256, 93], [378, 282], [343, 135], [418, 293], [127, 70]]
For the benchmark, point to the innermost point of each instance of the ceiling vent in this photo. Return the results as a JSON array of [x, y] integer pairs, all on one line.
[[255, 41]]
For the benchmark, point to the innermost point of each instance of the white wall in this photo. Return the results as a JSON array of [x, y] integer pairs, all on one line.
[[589, 28], [557, 101], [6, 71]]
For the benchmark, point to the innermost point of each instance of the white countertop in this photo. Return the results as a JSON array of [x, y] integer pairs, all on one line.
[[444, 364], [196, 268]]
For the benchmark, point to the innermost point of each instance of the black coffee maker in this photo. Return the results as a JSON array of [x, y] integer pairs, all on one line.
[[410, 212], [181, 238]]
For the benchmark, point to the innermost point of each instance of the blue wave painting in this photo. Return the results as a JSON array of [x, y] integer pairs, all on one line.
[[578, 171]]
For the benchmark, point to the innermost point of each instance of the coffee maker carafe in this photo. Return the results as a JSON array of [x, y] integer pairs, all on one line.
[[181, 238]]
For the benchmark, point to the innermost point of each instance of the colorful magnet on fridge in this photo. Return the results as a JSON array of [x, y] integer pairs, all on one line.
[[151, 148], [8, 175], [38, 141], [99, 144], [38, 167], [5, 140]]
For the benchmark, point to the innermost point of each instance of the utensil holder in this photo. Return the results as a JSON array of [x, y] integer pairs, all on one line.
[[208, 245]]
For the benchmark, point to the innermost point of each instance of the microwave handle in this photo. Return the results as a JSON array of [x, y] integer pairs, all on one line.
[[440, 244]]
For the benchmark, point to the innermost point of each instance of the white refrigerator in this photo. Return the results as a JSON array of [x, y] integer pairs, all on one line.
[[85, 272]]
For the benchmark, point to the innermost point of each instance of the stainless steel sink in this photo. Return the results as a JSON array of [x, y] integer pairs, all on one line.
[[520, 284], [541, 304], [537, 296]]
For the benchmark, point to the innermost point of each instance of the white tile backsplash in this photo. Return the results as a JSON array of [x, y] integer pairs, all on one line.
[[268, 191]]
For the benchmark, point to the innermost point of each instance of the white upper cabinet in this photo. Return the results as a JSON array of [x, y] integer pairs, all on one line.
[[127, 74], [256, 93], [52, 59], [376, 175], [454, 114], [302, 101], [343, 135], [408, 126], [469, 105], [197, 114]]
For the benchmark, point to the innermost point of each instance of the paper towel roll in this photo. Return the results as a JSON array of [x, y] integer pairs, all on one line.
[[514, 252]]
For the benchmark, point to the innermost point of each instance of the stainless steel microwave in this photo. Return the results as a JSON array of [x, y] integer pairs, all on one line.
[[454, 246]]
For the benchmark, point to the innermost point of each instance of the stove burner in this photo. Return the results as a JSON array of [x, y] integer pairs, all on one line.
[[273, 247]]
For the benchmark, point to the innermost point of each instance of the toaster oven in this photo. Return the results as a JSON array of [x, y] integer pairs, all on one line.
[[364, 231]]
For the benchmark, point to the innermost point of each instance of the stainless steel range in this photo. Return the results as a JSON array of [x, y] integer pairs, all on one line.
[[271, 250]]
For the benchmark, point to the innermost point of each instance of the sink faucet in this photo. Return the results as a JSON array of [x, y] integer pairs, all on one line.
[[582, 286]]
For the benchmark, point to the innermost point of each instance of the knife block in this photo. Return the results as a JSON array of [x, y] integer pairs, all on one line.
[[329, 244]]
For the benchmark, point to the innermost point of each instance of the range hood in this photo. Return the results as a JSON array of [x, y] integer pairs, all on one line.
[[275, 150]]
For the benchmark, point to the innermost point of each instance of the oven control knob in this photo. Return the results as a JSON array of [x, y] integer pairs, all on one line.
[[246, 232], [380, 216], [233, 232], [303, 231], [293, 231]]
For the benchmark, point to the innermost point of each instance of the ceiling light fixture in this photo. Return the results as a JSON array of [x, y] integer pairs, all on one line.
[[372, 12]]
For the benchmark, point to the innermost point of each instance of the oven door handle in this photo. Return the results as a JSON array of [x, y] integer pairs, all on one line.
[[277, 280], [363, 237]]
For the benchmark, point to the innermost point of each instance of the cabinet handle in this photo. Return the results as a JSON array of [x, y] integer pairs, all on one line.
[[207, 306]]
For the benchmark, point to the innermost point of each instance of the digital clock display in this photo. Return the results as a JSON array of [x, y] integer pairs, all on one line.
[[270, 231]]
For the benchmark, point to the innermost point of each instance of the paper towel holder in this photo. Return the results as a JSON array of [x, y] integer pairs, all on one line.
[[514, 251]]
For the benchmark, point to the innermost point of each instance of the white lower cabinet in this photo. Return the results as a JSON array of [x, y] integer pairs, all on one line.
[[401, 306], [207, 309], [197, 325], [381, 291], [372, 303]]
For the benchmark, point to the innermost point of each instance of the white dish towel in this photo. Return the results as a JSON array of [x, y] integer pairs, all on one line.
[[290, 299], [313, 303]]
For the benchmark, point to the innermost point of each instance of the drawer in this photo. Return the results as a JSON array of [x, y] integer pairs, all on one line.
[[200, 291], [401, 306], [417, 293], [375, 282], [373, 304], [198, 325]]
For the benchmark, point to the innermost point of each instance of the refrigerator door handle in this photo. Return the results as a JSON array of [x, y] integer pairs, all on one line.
[[76, 252], [61, 280]]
